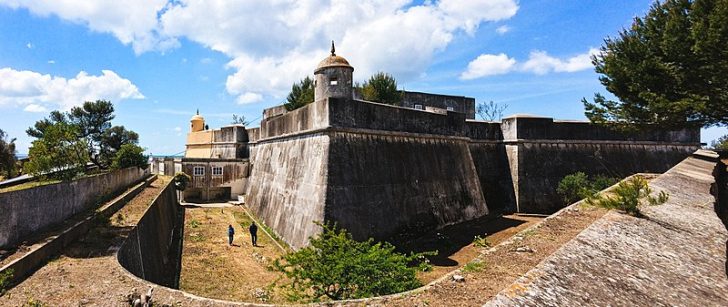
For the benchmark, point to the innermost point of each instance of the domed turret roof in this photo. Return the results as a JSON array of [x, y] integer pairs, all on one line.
[[197, 117], [333, 60]]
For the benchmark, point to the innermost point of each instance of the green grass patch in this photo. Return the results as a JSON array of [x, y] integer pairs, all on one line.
[[475, 266]]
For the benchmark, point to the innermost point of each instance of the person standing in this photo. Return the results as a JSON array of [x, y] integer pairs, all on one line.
[[231, 233], [254, 233]]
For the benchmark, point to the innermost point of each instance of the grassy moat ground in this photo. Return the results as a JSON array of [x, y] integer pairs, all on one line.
[[211, 268]]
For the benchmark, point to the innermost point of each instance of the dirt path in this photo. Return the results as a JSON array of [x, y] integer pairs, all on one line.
[[212, 268]]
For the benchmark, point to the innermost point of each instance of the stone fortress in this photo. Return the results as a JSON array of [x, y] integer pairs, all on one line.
[[380, 170]]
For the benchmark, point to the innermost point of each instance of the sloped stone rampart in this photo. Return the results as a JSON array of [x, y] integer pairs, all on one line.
[[674, 256]]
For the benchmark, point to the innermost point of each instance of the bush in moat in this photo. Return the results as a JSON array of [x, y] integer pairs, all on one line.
[[578, 186], [335, 266]]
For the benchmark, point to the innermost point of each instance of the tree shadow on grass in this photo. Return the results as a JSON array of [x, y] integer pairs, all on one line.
[[449, 240]]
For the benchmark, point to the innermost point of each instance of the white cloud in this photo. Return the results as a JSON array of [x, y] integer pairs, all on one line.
[[29, 45], [35, 108], [503, 29], [275, 43], [133, 22], [539, 62], [488, 65], [249, 97], [51, 62], [177, 129], [39, 92]]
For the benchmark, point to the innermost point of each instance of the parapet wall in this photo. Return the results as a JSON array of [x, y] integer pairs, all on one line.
[[152, 251], [26, 212]]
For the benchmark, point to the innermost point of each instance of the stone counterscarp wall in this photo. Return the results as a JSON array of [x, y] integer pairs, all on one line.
[[153, 249], [380, 185], [287, 185], [29, 211]]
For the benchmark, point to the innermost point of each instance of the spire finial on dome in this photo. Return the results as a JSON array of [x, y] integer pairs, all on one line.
[[333, 49], [198, 111]]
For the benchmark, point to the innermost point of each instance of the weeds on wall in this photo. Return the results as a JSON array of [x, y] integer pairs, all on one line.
[[628, 196]]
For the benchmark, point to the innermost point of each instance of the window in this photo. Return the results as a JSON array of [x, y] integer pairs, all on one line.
[[418, 107], [199, 171], [217, 171], [334, 82], [450, 109]]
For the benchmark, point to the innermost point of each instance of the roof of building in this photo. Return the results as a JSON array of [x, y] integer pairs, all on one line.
[[333, 60], [197, 116]]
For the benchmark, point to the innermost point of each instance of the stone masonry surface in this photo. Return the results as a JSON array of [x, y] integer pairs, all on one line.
[[675, 256]]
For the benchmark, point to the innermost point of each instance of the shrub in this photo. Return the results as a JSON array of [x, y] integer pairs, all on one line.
[[130, 155], [481, 241], [578, 186], [628, 195], [5, 279], [335, 266], [181, 180], [573, 187]]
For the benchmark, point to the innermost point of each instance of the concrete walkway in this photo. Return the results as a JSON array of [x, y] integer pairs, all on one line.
[[676, 256]]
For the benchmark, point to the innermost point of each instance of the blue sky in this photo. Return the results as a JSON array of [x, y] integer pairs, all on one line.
[[159, 61]]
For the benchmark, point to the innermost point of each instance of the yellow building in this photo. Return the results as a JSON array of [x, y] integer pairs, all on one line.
[[217, 161]]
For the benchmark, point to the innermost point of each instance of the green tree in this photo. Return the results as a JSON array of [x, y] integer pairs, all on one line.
[[302, 93], [721, 143], [334, 266], [112, 140], [7, 155], [382, 88], [59, 154], [92, 122], [670, 68], [130, 155]]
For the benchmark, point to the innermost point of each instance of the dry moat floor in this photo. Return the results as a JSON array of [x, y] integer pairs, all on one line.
[[212, 268]]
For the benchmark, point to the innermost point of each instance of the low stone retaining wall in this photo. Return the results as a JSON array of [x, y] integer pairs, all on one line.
[[153, 249], [27, 264], [29, 211]]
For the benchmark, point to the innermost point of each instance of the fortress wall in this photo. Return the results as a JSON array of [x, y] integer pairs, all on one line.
[[153, 249], [376, 116], [541, 165], [28, 211], [309, 117], [542, 151], [381, 184], [460, 104], [287, 185], [494, 174], [538, 128]]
